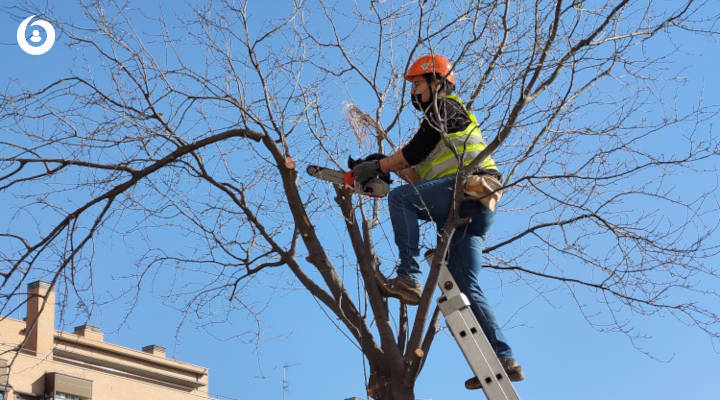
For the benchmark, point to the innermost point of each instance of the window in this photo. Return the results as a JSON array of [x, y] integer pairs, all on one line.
[[66, 387]]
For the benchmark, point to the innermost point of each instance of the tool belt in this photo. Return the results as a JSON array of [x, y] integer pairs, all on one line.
[[485, 186]]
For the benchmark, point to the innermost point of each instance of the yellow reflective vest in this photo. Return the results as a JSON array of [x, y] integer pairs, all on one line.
[[441, 162]]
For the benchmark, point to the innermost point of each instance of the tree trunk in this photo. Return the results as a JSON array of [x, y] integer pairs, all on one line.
[[383, 384]]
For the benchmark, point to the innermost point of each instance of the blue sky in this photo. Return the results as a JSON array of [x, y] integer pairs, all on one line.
[[563, 357]]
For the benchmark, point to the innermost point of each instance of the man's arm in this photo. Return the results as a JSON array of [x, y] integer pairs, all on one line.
[[394, 162], [420, 145]]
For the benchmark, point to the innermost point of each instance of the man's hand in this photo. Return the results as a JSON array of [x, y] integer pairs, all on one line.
[[366, 170]]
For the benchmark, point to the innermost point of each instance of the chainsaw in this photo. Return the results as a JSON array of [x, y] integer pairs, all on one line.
[[376, 187]]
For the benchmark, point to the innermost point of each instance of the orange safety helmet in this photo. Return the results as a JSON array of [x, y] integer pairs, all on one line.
[[431, 63]]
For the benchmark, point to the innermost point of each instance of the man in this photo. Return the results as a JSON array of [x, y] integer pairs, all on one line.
[[430, 166]]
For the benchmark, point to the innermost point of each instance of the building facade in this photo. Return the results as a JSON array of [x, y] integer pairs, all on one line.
[[38, 362]]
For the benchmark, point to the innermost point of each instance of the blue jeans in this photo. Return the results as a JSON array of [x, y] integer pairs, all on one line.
[[430, 201]]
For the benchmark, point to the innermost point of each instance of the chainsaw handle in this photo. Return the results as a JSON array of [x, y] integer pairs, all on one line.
[[349, 178]]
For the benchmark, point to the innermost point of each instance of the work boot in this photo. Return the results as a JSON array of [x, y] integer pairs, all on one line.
[[513, 370], [403, 288]]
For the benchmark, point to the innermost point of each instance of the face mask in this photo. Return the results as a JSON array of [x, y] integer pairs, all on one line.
[[416, 100]]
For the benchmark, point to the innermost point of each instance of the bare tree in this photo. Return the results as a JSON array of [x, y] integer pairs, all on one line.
[[202, 128]]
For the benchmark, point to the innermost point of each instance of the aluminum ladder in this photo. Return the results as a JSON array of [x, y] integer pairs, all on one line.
[[466, 330]]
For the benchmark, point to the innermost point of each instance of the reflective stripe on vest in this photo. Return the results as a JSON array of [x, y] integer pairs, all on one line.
[[468, 143]]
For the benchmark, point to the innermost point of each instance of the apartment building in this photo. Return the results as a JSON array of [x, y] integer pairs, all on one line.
[[38, 362]]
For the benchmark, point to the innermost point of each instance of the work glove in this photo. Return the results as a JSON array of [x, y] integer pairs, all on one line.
[[366, 170]]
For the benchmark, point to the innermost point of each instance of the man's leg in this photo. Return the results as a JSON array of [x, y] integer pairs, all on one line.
[[408, 204], [465, 263]]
